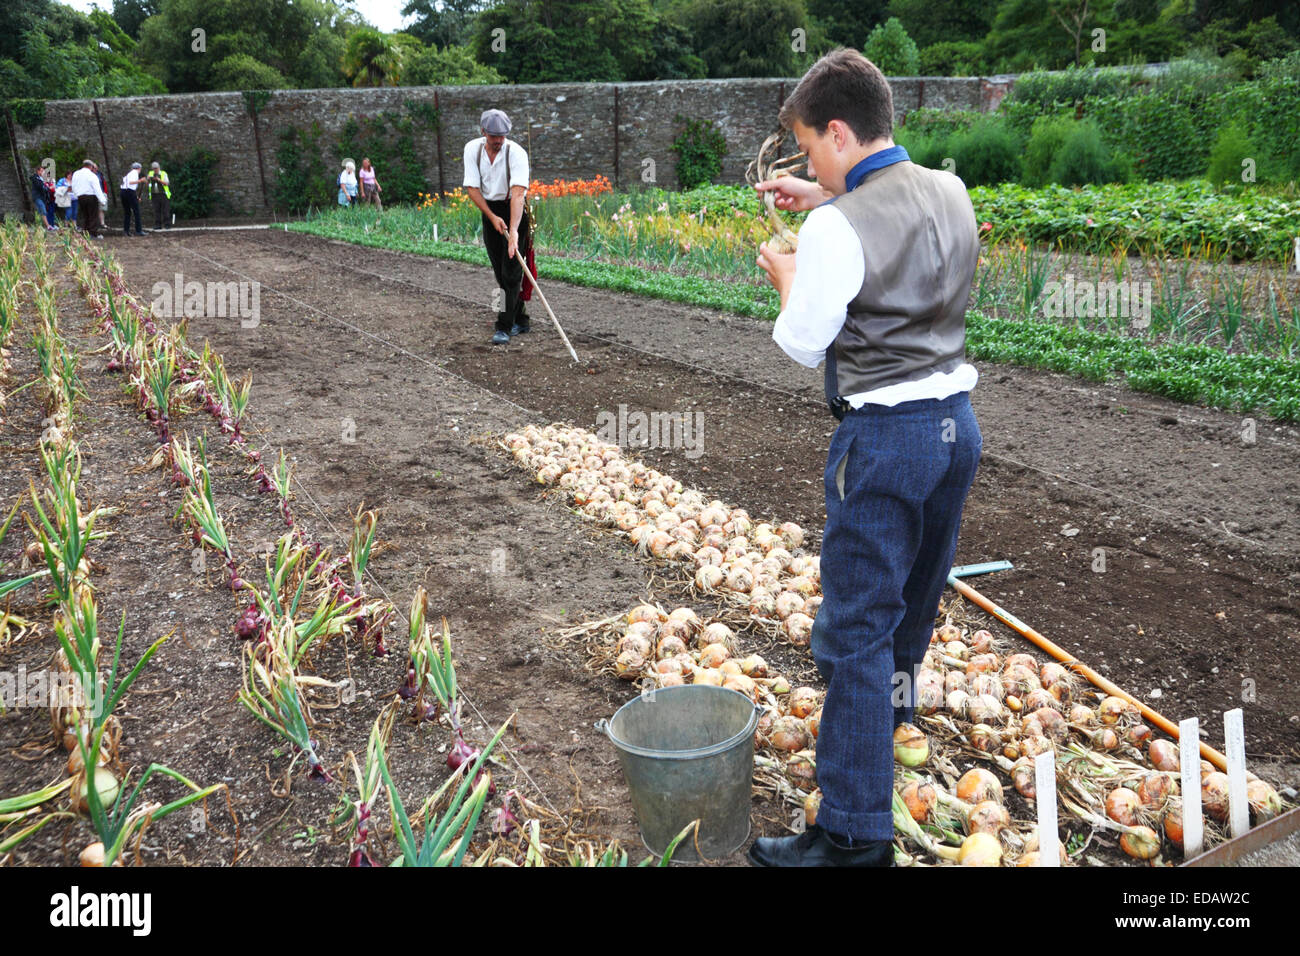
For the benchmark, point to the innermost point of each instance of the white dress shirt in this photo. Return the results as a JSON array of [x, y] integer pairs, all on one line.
[[829, 272], [131, 179], [84, 182], [489, 177]]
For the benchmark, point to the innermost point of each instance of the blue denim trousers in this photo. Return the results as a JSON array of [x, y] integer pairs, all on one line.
[[896, 481]]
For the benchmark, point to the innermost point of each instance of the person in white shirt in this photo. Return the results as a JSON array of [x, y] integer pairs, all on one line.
[[496, 178], [129, 194], [90, 199], [878, 288]]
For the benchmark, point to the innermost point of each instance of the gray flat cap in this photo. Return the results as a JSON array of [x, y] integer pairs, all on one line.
[[494, 123], [136, 166]]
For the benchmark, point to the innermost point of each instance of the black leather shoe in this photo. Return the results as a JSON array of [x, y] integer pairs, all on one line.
[[814, 847], [500, 338]]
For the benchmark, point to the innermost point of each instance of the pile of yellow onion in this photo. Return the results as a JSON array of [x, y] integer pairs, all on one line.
[[760, 564]]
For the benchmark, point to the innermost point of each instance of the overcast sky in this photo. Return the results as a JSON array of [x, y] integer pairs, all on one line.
[[385, 14]]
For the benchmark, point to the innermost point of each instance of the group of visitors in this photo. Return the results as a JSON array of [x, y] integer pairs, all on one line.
[[82, 197], [362, 186]]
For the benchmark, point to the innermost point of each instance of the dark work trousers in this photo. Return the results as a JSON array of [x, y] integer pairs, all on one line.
[[162, 211], [130, 207], [88, 213], [509, 273], [896, 480]]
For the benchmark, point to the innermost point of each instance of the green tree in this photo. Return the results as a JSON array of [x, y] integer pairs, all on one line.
[[557, 41], [891, 49], [131, 14], [239, 71], [743, 38], [442, 23], [373, 58], [928, 22], [846, 22], [450, 66], [275, 32]]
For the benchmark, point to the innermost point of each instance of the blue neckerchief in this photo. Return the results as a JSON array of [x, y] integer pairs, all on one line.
[[864, 167]]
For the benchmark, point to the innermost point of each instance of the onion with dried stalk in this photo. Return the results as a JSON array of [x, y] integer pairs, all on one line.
[[768, 166], [911, 746]]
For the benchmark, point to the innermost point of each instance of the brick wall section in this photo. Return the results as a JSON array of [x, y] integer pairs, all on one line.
[[569, 128]]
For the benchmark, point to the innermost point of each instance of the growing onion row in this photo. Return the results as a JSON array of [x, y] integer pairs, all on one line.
[[82, 708], [758, 565]]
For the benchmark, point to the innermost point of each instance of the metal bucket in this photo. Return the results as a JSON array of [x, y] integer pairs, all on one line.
[[688, 754]]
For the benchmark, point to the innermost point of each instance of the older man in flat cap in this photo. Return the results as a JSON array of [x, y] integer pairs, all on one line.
[[496, 178]]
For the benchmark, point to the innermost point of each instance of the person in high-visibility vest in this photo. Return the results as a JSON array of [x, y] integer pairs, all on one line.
[[160, 191]]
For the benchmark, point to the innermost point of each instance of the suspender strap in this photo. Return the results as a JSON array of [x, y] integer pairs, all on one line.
[[479, 161]]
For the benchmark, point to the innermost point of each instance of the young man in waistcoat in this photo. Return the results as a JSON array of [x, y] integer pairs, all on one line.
[[496, 178], [878, 289]]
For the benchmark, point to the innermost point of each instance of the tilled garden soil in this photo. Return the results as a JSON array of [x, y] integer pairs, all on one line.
[[373, 371]]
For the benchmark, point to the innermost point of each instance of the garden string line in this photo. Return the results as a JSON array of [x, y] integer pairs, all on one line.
[[1104, 492]]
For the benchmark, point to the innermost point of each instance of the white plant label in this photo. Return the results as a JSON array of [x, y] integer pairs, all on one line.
[[1234, 736], [1189, 757], [1045, 797]]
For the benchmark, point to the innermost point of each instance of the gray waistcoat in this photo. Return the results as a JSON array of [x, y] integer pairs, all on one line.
[[908, 321]]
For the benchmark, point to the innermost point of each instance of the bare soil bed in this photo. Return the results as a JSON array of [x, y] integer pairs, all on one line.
[[1199, 528]]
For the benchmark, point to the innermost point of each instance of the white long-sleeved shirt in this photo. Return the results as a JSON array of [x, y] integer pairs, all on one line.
[[131, 180], [84, 182], [489, 177], [829, 272]]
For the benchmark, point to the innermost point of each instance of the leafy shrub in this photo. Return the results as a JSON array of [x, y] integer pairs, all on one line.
[[67, 155], [1049, 133], [923, 148], [1233, 146], [302, 180], [389, 141], [190, 176], [891, 49], [1083, 158], [987, 153], [700, 147], [951, 58], [1044, 89]]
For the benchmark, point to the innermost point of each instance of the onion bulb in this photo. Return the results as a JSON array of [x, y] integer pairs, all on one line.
[[1081, 714], [1265, 803], [1104, 738], [1164, 756], [811, 804], [1214, 795], [956, 650], [947, 633], [1173, 823], [986, 685], [635, 642], [789, 734], [741, 684], [762, 603], [798, 628], [985, 739], [1123, 806], [981, 642], [1032, 746], [670, 647], [709, 578], [980, 849], [106, 785], [712, 655], [731, 667], [920, 799], [985, 709], [801, 770], [1110, 710], [1138, 734], [708, 675], [1032, 850], [1052, 722], [645, 612], [978, 785], [1038, 699], [1155, 790], [753, 666], [1023, 779], [987, 817], [1141, 843], [958, 702], [93, 855], [670, 680], [954, 680], [803, 701], [911, 746], [716, 633], [982, 664], [789, 602], [814, 722]]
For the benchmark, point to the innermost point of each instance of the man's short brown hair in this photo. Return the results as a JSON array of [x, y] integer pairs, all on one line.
[[842, 85]]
